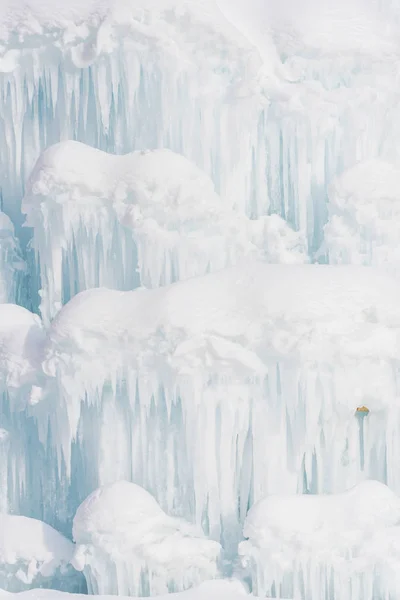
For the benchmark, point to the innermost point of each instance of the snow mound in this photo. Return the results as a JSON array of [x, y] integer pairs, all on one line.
[[364, 212], [244, 315], [153, 212], [22, 341], [341, 542], [31, 553], [128, 545]]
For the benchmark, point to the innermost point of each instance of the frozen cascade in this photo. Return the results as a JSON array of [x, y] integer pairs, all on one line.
[[146, 218], [331, 546], [32, 552], [193, 383], [215, 391], [127, 545], [130, 76]]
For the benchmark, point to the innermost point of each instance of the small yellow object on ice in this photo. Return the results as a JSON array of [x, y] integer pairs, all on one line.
[[363, 409]]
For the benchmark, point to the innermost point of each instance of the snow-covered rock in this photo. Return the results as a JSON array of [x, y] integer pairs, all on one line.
[[127, 545], [343, 545]]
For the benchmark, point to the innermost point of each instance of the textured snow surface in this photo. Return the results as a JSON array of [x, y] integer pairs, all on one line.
[[31, 552], [364, 213], [144, 218], [346, 544], [128, 545]]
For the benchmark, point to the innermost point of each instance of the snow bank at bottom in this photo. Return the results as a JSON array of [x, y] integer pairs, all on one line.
[[128, 545], [33, 553], [344, 545], [221, 589]]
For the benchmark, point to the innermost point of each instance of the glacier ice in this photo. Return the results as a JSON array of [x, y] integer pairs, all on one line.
[[331, 546], [127, 545], [32, 552], [145, 218]]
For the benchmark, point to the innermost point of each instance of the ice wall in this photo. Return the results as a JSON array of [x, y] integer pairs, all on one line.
[[127, 545], [341, 545], [215, 391], [125, 77], [145, 218]]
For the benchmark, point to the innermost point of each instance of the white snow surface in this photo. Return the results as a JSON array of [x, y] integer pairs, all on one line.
[[243, 315], [123, 536], [209, 590], [347, 537], [364, 213], [30, 552], [153, 212]]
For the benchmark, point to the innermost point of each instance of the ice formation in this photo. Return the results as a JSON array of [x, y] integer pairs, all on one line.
[[12, 266], [193, 383], [127, 545], [33, 553], [169, 147], [146, 218], [364, 212], [117, 76], [337, 546]]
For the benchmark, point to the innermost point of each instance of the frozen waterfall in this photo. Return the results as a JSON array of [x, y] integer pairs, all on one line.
[[200, 299]]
